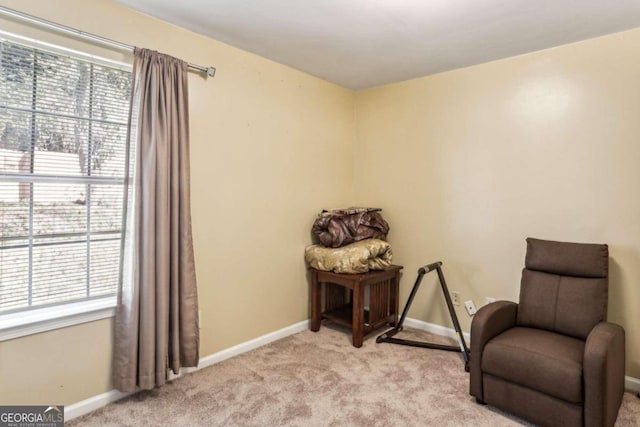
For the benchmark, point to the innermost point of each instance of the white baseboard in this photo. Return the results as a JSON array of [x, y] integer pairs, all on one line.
[[435, 329], [91, 404], [630, 383], [250, 345]]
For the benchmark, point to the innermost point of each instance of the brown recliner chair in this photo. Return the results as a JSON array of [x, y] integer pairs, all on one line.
[[552, 359]]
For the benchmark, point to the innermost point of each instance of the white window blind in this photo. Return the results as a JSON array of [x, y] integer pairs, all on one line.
[[63, 124]]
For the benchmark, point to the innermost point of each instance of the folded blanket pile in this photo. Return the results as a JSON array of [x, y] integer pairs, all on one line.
[[358, 257]]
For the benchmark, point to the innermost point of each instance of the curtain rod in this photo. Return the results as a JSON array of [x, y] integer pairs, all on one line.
[[211, 71]]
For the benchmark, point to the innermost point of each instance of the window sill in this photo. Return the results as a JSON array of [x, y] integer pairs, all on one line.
[[25, 323]]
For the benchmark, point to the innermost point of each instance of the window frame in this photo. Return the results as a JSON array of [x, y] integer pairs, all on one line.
[[36, 320]]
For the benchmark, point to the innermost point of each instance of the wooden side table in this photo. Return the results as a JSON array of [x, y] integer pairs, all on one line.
[[344, 300]]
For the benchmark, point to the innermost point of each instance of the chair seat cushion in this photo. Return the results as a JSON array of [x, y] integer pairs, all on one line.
[[541, 360]]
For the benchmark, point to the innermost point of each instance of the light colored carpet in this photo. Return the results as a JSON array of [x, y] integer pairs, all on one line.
[[320, 379]]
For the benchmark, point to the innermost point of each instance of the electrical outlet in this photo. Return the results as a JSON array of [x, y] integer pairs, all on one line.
[[489, 300], [455, 298], [470, 306]]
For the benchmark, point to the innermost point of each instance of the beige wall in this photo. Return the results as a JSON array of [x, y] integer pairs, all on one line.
[[271, 146], [467, 164], [65, 365]]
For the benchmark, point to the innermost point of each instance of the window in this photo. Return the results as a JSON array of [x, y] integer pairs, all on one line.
[[63, 126]]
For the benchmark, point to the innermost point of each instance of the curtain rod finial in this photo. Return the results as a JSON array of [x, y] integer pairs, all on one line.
[[211, 71]]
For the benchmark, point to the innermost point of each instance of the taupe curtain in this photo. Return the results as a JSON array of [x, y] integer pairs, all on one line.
[[156, 328]]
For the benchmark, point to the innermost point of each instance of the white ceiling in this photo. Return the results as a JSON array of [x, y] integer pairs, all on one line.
[[364, 43]]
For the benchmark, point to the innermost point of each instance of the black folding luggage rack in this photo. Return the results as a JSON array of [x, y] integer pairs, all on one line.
[[462, 345]]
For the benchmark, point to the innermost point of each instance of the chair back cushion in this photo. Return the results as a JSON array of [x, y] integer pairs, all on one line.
[[564, 287]]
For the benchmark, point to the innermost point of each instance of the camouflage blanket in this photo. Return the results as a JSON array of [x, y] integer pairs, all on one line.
[[339, 227]]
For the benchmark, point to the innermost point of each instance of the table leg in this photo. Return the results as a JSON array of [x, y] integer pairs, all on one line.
[[394, 297], [357, 322], [315, 302]]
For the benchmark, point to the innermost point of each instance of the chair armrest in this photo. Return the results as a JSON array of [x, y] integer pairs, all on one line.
[[604, 360], [489, 321]]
